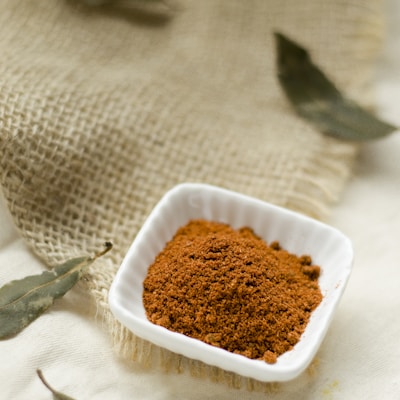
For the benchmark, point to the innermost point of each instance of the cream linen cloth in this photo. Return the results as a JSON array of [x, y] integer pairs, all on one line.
[[358, 359]]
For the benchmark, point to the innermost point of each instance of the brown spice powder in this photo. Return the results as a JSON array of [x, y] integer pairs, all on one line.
[[230, 289]]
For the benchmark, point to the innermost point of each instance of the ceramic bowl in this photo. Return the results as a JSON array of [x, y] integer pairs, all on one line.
[[298, 234]]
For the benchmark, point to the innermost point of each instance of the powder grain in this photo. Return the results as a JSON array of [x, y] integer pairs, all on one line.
[[230, 289]]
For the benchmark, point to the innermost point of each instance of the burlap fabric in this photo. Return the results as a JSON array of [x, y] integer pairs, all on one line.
[[102, 111]]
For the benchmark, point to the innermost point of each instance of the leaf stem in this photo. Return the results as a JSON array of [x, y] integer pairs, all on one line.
[[107, 247], [40, 375], [56, 394]]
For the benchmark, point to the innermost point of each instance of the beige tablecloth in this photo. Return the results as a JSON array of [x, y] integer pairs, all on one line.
[[360, 357]]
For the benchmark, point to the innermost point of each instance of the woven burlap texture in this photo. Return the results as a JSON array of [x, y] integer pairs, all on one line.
[[102, 111]]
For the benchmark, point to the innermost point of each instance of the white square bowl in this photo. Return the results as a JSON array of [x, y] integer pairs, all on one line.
[[298, 234]]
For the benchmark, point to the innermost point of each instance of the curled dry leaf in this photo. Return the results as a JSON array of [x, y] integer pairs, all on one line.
[[316, 99], [24, 300]]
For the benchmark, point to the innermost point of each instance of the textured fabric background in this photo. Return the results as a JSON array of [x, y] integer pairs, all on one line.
[[101, 112]]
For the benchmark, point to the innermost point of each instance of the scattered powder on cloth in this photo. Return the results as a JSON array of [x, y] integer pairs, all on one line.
[[230, 289]]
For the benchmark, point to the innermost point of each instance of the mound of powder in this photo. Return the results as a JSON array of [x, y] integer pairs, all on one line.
[[230, 289]]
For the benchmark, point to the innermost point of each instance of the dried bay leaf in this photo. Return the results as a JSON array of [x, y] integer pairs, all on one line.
[[24, 300], [316, 98], [56, 395]]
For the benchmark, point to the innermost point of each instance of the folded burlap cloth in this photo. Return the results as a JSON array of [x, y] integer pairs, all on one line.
[[103, 110]]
